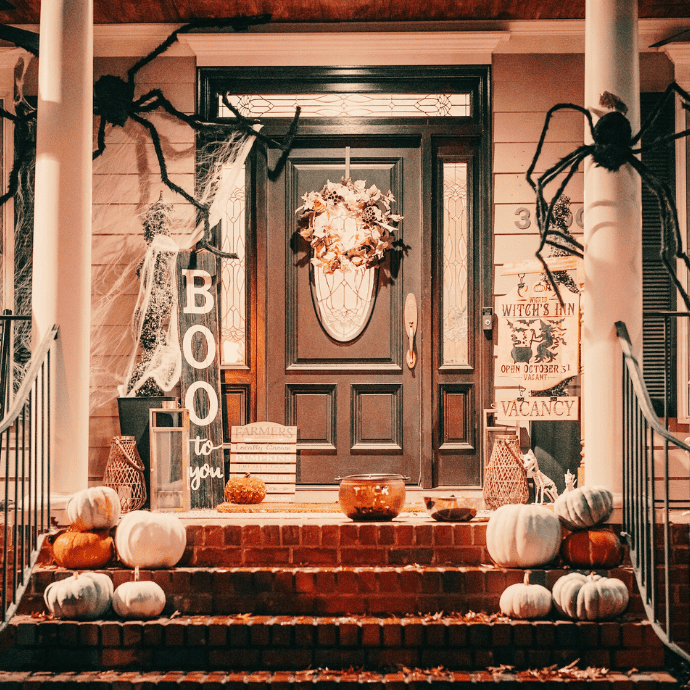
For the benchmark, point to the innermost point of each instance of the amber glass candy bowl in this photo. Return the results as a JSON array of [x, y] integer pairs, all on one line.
[[372, 497]]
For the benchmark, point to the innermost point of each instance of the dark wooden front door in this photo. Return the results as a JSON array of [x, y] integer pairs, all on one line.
[[356, 404]]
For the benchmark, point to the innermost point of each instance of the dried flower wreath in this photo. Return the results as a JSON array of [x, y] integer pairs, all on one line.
[[348, 225]]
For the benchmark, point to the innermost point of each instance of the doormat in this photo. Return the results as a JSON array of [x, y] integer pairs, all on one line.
[[296, 508]]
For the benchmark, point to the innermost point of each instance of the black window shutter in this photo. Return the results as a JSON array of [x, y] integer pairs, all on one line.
[[658, 291]]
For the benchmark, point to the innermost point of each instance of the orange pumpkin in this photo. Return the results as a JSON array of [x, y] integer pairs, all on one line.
[[592, 548], [83, 550], [245, 489]]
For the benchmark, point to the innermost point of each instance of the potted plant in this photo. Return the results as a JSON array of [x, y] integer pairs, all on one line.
[[154, 367]]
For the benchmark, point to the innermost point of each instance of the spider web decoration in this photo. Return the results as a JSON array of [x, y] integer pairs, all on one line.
[[124, 118], [613, 145], [115, 104], [120, 210], [155, 365]]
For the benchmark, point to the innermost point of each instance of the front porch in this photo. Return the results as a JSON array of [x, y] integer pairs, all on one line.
[[315, 598]]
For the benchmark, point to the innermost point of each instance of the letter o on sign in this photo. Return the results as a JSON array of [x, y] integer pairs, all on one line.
[[210, 347], [212, 403]]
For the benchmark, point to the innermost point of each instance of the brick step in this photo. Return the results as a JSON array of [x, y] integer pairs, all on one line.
[[406, 679], [327, 590], [295, 643], [336, 541], [333, 542]]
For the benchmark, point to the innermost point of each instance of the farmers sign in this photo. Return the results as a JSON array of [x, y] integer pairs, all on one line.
[[538, 338]]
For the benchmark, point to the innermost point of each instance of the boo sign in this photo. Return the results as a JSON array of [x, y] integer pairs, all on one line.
[[200, 377]]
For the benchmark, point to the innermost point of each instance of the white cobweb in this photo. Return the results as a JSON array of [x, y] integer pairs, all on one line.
[[126, 181]]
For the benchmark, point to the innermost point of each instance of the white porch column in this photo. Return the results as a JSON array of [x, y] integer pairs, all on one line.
[[613, 241], [62, 227]]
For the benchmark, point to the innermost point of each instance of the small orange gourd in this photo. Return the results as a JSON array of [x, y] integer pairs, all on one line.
[[245, 489], [592, 548], [83, 550]]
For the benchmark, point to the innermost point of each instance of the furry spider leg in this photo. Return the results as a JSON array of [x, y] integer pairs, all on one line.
[[284, 146], [573, 246], [669, 92], [22, 151], [101, 139], [671, 240], [544, 211], [541, 202], [155, 99], [114, 103], [202, 208], [239, 23]]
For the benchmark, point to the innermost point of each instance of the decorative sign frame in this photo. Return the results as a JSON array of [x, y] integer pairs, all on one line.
[[561, 408], [538, 338], [269, 451]]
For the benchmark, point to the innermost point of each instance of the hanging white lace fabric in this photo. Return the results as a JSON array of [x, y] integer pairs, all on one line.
[[157, 358]]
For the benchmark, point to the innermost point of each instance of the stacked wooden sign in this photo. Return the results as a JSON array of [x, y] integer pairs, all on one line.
[[268, 451]]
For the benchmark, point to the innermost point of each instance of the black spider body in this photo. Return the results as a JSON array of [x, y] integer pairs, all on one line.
[[113, 99], [613, 146], [612, 141]]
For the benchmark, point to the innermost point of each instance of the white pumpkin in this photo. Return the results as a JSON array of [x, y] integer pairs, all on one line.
[[523, 536], [584, 507], [93, 509], [525, 601], [150, 540], [590, 597], [565, 591], [83, 596], [139, 599]]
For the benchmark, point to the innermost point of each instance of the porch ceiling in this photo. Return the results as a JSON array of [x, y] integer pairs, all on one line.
[[314, 11]]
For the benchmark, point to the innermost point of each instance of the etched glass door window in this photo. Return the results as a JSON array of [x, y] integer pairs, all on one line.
[[233, 308], [344, 298], [455, 274]]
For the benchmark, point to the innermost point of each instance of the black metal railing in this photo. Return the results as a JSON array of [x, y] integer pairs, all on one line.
[[7, 321], [647, 501], [25, 433]]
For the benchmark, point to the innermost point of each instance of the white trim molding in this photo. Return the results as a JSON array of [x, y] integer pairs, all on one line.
[[344, 49], [367, 43]]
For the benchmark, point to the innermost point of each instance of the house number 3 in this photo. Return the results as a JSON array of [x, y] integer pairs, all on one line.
[[525, 220]]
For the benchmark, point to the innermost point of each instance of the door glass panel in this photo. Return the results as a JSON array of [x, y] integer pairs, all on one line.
[[349, 105], [233, 312], [455, 287], [344, 300]]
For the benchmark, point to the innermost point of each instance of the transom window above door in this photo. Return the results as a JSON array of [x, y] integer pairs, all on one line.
[[349, 105]]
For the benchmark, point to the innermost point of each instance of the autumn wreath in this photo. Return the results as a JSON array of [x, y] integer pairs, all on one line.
[[347, 225]]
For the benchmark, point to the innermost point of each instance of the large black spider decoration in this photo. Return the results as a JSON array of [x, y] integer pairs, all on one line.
[[115, 103], [613, 145]]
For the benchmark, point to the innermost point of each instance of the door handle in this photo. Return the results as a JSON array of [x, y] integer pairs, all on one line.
[[410, 323]]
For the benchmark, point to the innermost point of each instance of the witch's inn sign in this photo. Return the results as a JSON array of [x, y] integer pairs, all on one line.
[[538, 337]]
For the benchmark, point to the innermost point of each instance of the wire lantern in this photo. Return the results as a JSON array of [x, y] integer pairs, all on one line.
[[124, 473], [505, 478]]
